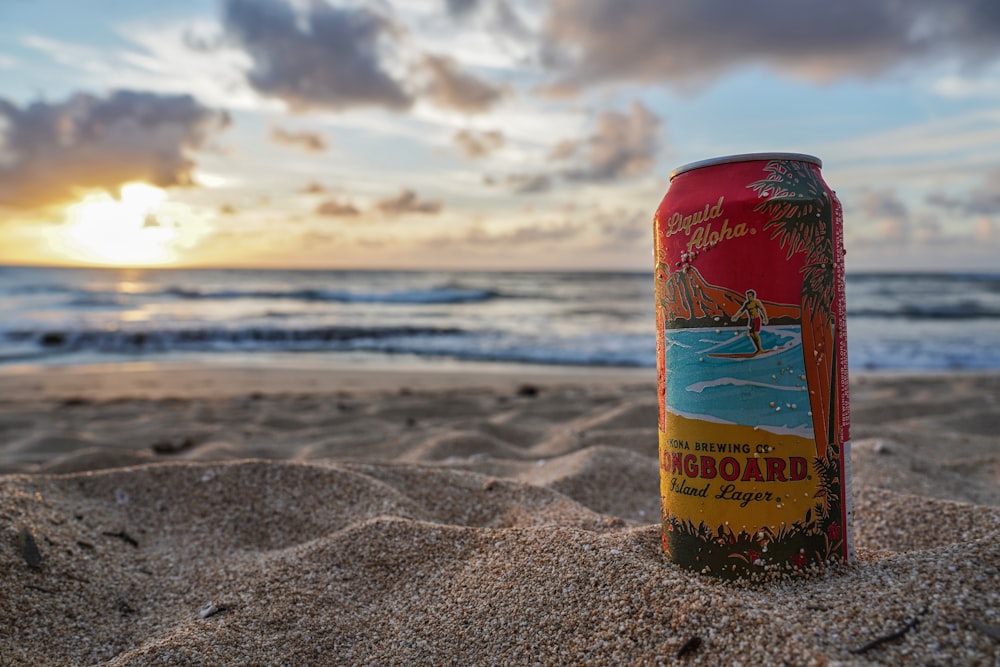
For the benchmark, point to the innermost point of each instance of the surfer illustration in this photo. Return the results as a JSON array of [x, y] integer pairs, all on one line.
[[756, 317]]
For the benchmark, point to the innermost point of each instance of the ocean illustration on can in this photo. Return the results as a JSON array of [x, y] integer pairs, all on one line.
[[752, 366]]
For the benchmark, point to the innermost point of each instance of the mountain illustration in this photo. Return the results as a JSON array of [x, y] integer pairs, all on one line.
[[688, 300]]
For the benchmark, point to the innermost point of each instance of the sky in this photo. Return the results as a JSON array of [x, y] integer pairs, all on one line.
[[481, 134]]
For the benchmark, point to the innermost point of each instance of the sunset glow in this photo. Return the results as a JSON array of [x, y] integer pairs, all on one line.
[[506, 134], [119, 232]]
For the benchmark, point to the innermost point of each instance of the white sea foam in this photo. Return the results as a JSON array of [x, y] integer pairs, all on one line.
[[699, 387], [800, 431]]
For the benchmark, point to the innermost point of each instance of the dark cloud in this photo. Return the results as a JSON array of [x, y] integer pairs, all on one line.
[[451, 88], [689, 41], [50, 151], [407, 202], [337, 209], [461, 7], [622, 145], [307, 141], [323, 57], [478, 144], [317, 56]]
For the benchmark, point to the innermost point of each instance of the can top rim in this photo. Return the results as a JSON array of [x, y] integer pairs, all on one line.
[[745, 157]]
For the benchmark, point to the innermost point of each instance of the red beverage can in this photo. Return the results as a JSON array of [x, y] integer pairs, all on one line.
[[752, 365]]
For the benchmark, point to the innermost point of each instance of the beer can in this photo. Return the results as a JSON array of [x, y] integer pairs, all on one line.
[[752, 366]]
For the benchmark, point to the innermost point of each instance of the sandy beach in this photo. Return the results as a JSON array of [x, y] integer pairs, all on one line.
[[467, 516]]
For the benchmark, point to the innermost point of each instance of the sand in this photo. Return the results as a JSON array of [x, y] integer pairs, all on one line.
[[225, 516]]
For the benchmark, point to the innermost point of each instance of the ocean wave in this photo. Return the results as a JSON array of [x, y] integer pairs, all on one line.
[[218, 338], [36, 289], [962, 310], [989, 279], [924, 355], [437, 342], [439, 295], [97, 300]]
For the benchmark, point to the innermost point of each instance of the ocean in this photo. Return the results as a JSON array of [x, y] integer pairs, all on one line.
[[52, 316], [774, 377]]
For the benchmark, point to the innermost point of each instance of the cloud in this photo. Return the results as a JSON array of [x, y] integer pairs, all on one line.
[[313, 188], [883, 204], [51, 151], [584, 229], [689, 41], [337, 209], [524, 184], [540, 233], [884, 233], [943, 200], [563, 150], [508, 22], [321, 57], [312, 142], [316, 56], [478, 144], [892, 216], [501, 19], [407, 202], [451, 88], [984, 199], [623, 144], [460, 8], [928, 230], [986, 231]]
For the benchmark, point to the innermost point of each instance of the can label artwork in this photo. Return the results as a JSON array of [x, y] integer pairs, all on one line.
[[752, 367]]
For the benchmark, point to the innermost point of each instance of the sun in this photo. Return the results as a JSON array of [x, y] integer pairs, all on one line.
[[128, 231]]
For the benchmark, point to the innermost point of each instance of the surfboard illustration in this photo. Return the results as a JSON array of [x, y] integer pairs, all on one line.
[[737, 355], [749, 355]]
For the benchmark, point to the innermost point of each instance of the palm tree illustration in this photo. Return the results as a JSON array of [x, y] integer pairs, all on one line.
[[800, 208]]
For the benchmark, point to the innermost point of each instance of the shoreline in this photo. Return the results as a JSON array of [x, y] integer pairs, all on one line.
[[190, 378]]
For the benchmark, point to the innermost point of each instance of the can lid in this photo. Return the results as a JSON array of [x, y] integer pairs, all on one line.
[[745, 157]]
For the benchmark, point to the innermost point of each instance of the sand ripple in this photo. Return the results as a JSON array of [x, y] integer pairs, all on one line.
[[466, 527]]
